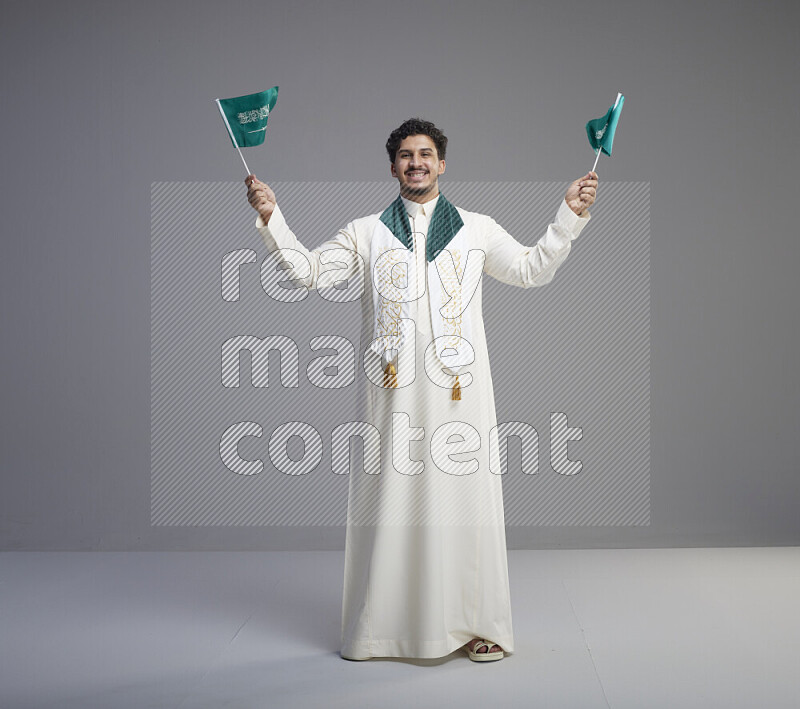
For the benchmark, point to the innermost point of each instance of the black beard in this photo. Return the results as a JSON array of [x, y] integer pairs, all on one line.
[[407, 191]]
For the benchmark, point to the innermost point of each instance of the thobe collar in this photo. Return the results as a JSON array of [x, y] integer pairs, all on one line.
[[444, 223], [414, 209]]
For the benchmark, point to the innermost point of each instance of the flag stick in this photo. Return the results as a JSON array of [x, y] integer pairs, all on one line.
[[230, 133], [599, 150]]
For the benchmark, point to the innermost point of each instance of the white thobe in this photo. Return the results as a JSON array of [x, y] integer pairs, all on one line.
[[419, 216], [425, 559]]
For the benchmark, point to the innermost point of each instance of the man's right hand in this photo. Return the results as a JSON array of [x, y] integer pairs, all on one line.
[[260, 196]]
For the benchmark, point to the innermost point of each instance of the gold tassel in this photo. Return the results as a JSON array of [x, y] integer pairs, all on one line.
[[390, 376], [456, 390]]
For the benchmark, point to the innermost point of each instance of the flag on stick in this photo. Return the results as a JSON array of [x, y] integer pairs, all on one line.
[[601, 130], [246, 118]]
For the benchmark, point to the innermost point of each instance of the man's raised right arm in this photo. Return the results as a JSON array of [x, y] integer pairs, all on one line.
[[336, 259]]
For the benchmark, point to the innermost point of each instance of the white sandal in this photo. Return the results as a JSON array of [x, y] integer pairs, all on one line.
[[487, 656]]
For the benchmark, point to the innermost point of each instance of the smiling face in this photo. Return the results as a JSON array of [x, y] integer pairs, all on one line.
[[417, 168]]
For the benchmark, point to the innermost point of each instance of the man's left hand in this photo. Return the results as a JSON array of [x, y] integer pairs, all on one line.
[[582, 193]]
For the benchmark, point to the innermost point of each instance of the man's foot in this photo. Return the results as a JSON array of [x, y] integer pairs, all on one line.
[[481, 650]]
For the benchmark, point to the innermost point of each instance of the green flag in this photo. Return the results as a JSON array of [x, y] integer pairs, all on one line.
[[601, 130], [246, 116]]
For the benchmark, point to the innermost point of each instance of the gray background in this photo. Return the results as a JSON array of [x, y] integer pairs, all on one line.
[[101, 100]]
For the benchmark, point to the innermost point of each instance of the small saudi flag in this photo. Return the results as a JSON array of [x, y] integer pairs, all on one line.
[[246, 118], [601, 130]]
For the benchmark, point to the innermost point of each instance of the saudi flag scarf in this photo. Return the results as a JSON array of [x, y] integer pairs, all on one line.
[[453, 268]]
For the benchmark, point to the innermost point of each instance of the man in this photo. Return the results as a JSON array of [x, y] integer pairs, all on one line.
[[425, 561]]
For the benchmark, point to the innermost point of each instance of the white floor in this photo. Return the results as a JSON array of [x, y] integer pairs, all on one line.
[[638, 628]]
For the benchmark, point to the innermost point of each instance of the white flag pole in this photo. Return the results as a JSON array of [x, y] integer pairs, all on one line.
[[596, 159], [230, 133]]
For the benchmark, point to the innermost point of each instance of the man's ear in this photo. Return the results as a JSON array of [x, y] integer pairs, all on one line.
[[392, 170], [441, 167]]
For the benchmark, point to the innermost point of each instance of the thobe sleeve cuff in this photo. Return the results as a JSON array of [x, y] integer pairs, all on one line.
[[276, 233], [566, 218]]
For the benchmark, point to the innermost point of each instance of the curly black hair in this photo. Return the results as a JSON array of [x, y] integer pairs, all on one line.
[[416, 126]]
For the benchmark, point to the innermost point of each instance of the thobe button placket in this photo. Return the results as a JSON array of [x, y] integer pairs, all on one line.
[[423, 314], [423, 305]]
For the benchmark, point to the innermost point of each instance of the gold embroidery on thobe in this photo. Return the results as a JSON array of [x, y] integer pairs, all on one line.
[[388, 318]]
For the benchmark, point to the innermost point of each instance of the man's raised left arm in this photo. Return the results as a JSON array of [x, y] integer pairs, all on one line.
[[513, 263]]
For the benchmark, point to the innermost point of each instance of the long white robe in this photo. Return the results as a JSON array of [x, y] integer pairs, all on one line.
[[425, 561]]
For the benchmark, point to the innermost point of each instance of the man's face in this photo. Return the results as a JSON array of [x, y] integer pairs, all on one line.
[[417, 168]]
